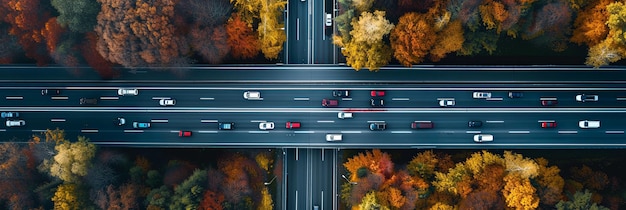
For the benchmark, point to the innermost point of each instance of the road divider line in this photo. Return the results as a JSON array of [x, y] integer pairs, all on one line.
[[375, 121], [350, 131], [159, 121], [400, 99], [548, 98], [401, 131], [494, 121], [209, 99], [89, 130], [173, 131], [472, 131], [304, 131], [59, 97], [258, 132], [3, 130], [300, 99], [568, 132], [109, 98], [57, 120], [39, 130], [208, 121], [621, 98], [519, 132], [133, 131], [14, 97], [258, 121], [614, 132], [445, 99], [494, 99], [325, 121], [346, 99], [546, 121], [207, 131], [159, 98]]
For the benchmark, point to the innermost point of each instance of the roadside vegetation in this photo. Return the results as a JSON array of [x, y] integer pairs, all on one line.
[[479, 180]]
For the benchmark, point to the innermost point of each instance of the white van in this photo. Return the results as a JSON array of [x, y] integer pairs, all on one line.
[[333, 137], [344, 115]]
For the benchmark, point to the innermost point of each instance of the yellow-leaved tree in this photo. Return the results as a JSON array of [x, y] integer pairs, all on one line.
[[516, 163], [66, 197], [72, 159], [266, 200], [370, 202], [366, 48], [519, 193], [271, 33]]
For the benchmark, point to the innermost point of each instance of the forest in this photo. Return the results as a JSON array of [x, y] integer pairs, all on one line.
[[52, 172], [438, 180], [106, 34]]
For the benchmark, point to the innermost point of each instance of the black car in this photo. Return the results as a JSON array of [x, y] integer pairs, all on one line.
[[46, 92], [515, 94], [377, 102], [341, 93], [378, 126], [88, 101], [474, 124]]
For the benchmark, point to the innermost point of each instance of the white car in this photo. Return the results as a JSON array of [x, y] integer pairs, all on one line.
[[167, 102], [334, 137], [447, 102], [585, 98], [15, 123], [127, 92], [329, 19], [252, 95], [266, 126], [589, 124], [481, 95], [483, 138], [344, 115]]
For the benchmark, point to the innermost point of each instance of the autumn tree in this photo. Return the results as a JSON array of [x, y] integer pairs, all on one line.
[[370, 202], [139, 33], [159, 198], [266, 200], [450, 39], [72, 160], [214, 46], [188, 194], [484, 199], [579, 200], [412, 39], [241, 39], [67, 196], [176, 172], [550, 183], [247, 10], [271, 36], [491, 177], [77, 15], [205, 13], [519, 193], [366, 47], [27, 18], [211, 201], [362, 5], [423, 164], [590, 25], [10, 46], [375, 161], [516, 163], [89, 52], [16, 178], [477, 41]]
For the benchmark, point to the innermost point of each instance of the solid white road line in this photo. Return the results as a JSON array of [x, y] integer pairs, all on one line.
[[621, 98], [472, 131], [14, 97], [89, 130], [346, 99], [375, 121], [59, 97], [494, 121], [519, 132], [133, 131], [400, 99], [109, 98], [350, 131], [208, 121], [57, 120], [258, 132], [325, 121], [159, 121], [207, 131], [568, 132], [614, 132], [300, 99], [548, 98], [546, 121], [304, 131], [401, 131]]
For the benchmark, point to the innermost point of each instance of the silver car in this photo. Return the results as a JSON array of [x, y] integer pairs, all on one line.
[[127, 92], [266, 126], [483, 138], [252, 95], [167, 102], [446, 102], [334, 137], [589, 124], [15, 123]]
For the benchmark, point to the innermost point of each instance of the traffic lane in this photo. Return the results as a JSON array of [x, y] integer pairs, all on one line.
[[292, 179]]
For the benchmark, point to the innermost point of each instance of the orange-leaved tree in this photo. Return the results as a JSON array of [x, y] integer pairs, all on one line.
[[241, 39], [412, 39]]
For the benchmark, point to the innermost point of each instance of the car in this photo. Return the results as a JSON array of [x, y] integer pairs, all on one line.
[[127, 92], [184, 133], [266, 126], [516, 94], [334, 137], [329, 19], [167, 102], [483, 138], [377, 93], [474, 124], [422, 125], [585, 98], [226, 126], [548, 124], [121, 121], [141, 125], [10, 114], [252, 95], [88, 101], [292, 125], [329, 102], [378, 126], [481, 95], [344, 115], [377, 102], [589, 124], [45, 92], [549, 102], [446, 102], [341, 93], [15, 123]]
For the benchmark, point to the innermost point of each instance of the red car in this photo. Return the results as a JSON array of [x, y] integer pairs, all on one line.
[[292, 125], [548, 124], [184, 133], [377, 93], [549, 102]]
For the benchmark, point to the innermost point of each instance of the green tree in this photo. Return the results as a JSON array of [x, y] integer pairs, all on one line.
[[579, 201], [188, 194], [77, 15], [72, 159], [370, 202], [159, 198]]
